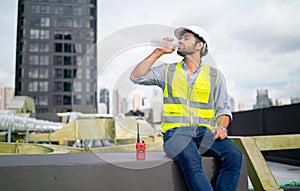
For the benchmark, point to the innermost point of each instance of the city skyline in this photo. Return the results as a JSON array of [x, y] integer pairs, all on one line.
[[52, 40], [254, 43]]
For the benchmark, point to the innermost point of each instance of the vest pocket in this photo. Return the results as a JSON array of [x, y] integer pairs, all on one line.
[[172, 109], [201, 93]]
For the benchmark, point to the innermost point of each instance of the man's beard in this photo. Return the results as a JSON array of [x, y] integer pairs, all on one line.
[[185, 52], [180, 53]]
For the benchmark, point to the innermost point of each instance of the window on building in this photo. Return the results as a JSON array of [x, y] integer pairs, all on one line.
[[67, 87], [43, 100], [58, 10], [45, 22], [58, 47], [77, 34], [67, 100], [77, 23], [34, 47], [35, 21], [78, 48], [87, 74], [89, 99], [77, 99], [45, 9], [77, 61], [44, 60], [35, 8], [77, 86], [43, 73], [57, 100], [44, 34], [33, 73], [68, 22], [58, 35], [67, 73], [43, 86], [68, 10], [87, 87], [57, 60], [67, 47], [44, 47], [68, 36], [67, 60], [58, 22], [33, 86], [33, 59], [57, 87], [57, 73], [77, 11]]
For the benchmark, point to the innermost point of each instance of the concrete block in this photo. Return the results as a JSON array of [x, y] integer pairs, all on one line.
[[98, 171]]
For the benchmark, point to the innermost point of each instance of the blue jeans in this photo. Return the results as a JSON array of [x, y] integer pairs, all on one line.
[[186, 144]]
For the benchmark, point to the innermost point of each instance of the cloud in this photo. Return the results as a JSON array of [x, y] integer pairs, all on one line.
[[8, 39], [274, 27], [255, 43]]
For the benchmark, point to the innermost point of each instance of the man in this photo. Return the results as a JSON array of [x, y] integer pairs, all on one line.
[[196, 110]]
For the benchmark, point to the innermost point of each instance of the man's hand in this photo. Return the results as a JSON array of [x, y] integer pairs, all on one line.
[[219, 133], [144, 66], [165, 50]]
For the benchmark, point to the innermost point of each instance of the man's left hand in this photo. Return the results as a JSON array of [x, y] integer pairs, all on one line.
[[219, 133]]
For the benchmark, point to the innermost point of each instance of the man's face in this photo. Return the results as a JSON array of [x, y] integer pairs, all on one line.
[[187, 44]]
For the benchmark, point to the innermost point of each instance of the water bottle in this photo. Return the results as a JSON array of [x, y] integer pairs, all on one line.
[[159, 42]]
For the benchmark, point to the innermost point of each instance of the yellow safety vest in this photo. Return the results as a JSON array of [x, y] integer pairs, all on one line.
[[184, 106]]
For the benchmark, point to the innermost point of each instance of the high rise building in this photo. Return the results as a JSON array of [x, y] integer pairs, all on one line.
[[53, 37], [104, 99], [262, 99], [6, 95], [295, 100], [116, 102], [136, 102]]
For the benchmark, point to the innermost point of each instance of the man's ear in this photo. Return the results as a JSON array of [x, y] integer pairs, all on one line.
[[199, 45]]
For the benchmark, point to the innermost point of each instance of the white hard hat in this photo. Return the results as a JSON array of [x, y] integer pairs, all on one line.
[[196, 30]]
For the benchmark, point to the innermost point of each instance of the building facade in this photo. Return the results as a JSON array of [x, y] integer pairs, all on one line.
[[104, 99], [262, 99], [6, 95], [53, 38]]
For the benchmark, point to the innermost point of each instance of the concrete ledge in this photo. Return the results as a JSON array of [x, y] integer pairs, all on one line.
[[99, 171]]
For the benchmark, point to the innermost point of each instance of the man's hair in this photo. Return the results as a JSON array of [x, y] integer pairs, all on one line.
[[197, 37]]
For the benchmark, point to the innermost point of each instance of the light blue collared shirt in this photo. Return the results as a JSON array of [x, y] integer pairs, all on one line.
[[193, 76], [156, 76]]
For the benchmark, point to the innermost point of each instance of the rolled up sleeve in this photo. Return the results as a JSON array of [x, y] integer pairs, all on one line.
[[222, 100], [155, 76]]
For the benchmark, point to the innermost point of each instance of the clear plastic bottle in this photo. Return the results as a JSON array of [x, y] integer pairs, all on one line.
[[159, 42]]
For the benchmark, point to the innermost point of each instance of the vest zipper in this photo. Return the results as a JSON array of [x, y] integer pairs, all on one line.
[[188, 104]]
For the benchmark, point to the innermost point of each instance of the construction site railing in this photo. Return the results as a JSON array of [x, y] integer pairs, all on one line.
[[259, 173]]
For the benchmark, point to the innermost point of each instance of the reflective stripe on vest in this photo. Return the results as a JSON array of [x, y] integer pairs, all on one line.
[[184, 106]]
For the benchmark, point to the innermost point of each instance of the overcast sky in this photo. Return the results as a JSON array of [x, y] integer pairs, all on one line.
[[255, 43]]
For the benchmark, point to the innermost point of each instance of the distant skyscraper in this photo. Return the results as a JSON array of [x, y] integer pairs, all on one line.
[[53, 37], [6, 95], [116, 102], [232, 104], [104, 98], [262, 99], [295, 100], [136, 102], [241, 106], [156, 105], [124, 106]]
